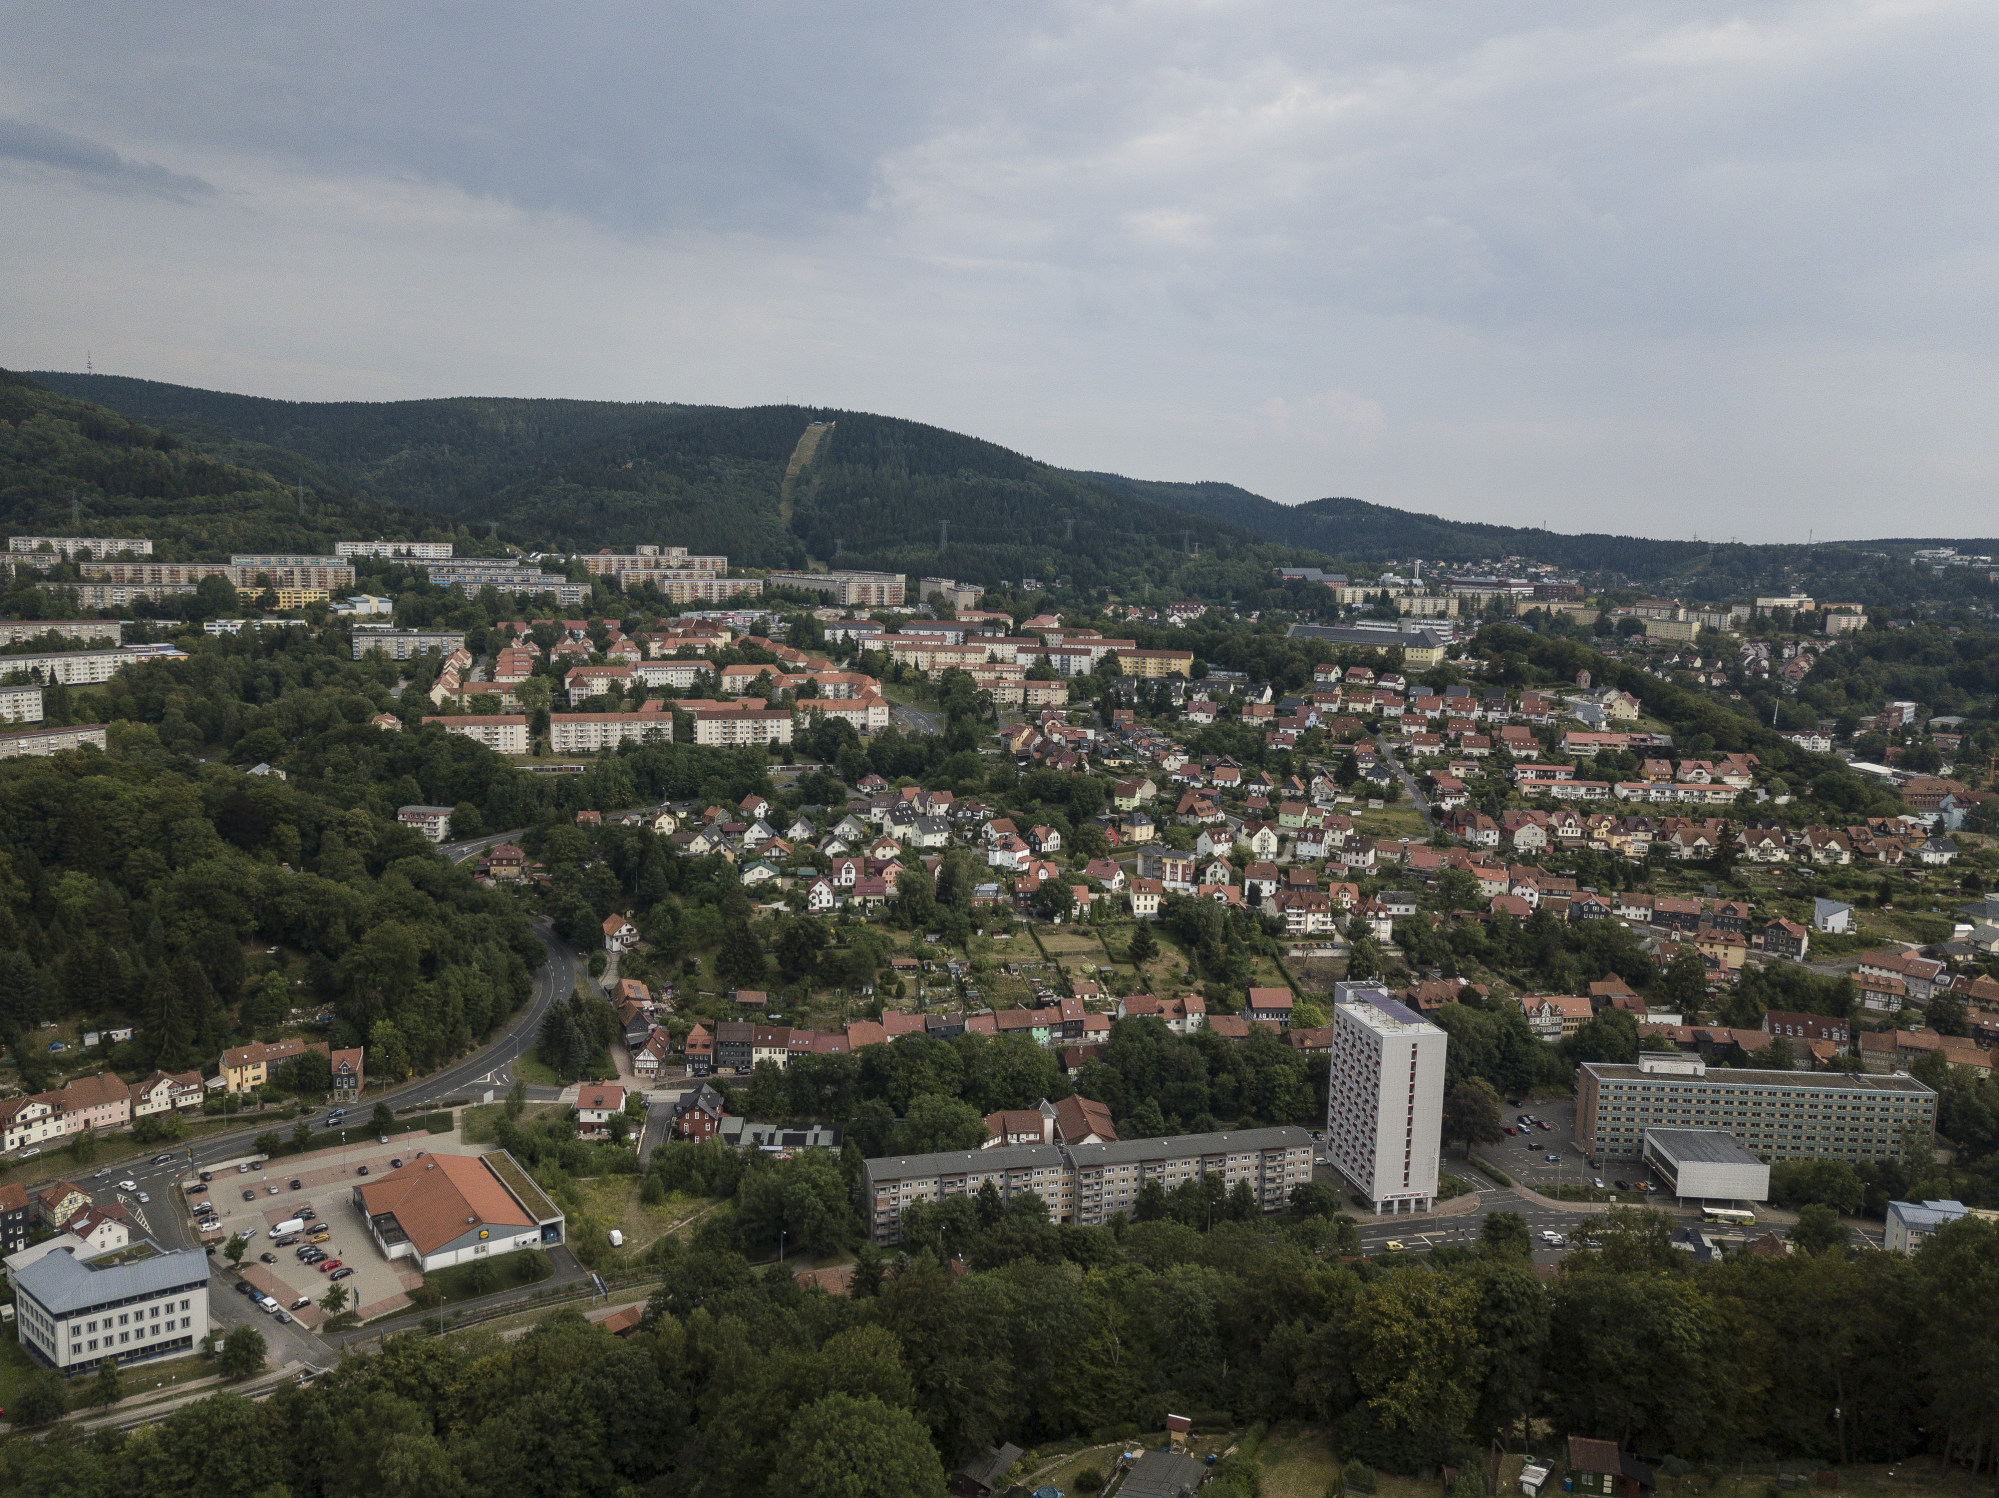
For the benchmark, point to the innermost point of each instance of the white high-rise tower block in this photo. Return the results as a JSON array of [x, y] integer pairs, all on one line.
[[1385, 1104]]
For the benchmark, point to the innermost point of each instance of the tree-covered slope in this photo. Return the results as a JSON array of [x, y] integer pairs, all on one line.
[[65, 464]]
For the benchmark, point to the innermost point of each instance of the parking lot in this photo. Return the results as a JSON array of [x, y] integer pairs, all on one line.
[[1524, 1154], [324, 1182]]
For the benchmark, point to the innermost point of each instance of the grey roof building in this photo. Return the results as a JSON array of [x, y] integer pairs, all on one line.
[[1087, 1184], [1774, 1115], [74, 1314], [1163, 1474]]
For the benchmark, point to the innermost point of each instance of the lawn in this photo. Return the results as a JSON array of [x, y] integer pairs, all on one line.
[[614, 1202], [16, 1366], [476, 1123], [531, 1071]]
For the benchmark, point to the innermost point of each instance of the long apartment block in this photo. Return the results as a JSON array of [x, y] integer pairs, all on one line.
[[19, 631], [82, 546], [1088, 1184], [401, 644], [1775, 1115], [608, 563], [848, 589]]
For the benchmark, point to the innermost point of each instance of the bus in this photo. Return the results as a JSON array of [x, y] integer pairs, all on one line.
[[1733, 1216]]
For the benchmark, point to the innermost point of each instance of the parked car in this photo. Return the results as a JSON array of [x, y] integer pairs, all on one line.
[[395, 1165], [207, 1175], [244, 1287], [249, 1196], [284, 1316], [268, 1258], [243, 1169], [302, 1302], [1511, 1132], [266, 1304], [361, 1170], [1542, 1123], [287, 1241], [1621, 1186], [328, 1265], [272, 1189], [1598, 1183], [307, 1213], [340, 1274], [296, 1185], [1552, 1159]]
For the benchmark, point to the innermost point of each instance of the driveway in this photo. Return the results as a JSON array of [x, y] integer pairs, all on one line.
[[1416, 797]]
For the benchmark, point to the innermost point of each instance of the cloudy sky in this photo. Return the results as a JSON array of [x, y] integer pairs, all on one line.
[[1668, 268]]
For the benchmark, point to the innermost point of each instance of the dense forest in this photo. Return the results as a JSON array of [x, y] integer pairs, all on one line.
[[741, 1384], [559, 474], [65, 464]]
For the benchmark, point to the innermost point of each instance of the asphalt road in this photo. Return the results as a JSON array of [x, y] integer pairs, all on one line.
[[910, 720], [164, 1218], [459, 852]]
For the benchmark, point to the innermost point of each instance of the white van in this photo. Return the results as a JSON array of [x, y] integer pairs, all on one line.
[[289, 1225]]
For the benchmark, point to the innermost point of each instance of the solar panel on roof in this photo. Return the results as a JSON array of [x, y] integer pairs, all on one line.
[[1395, 1009]]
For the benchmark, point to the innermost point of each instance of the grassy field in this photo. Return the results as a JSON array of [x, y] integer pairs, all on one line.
[[1390, 821], [475, 1123], [614, 1202]]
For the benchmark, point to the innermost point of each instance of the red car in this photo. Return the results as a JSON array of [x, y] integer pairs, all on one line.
[[330, 1264], [1544, 1124]]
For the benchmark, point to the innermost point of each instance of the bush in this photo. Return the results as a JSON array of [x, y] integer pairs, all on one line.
[[438, 1123], [1088, 1480], [1358, 1477]]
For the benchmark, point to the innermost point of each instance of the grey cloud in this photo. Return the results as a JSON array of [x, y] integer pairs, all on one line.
[[22, 140]]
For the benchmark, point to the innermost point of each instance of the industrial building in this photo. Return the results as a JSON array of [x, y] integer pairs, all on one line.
[[1385, 1099], [1774, 1115], [1706, 1165]]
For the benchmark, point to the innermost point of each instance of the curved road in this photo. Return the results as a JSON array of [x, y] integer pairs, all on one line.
[[164, 1219]]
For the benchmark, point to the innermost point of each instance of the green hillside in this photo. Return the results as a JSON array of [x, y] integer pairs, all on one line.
[[67, 465], [564, 475], [878, 491]]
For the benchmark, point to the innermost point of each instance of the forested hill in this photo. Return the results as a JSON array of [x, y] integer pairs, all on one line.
[[880, 491], [1363, 532], [66, 464], [571, 474]]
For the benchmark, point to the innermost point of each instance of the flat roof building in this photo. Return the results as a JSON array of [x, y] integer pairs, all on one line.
[[1706, 1165], [1774, 1115], [1385, 1098], [401, 644]]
